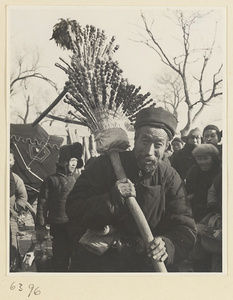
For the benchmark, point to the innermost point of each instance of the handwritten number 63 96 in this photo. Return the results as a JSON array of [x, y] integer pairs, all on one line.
[[32, 288]]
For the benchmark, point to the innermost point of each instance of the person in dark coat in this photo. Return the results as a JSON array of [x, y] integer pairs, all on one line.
[[214, 199], [198, 182], [214, 204], [183, 159], [51, 204], [106, 236], [92, 158], [200, 178]]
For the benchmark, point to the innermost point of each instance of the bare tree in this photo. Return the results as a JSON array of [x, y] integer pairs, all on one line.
[[182, 64], [25, 71], [172, 96], [25, 87], [25, 117]]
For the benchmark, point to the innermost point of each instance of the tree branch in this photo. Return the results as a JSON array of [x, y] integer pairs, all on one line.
[[162, 53], [33, 75]]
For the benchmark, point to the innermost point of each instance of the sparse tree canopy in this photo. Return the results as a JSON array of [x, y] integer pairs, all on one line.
[[28, 84], [195, 78]]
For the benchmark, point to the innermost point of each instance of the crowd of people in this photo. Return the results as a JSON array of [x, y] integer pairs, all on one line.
[[177, 183]]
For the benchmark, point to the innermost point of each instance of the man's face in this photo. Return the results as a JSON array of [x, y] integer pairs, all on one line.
[[12, 160], [194, 140], [205, 162], [210, 137], [72, 164], [150, 145]]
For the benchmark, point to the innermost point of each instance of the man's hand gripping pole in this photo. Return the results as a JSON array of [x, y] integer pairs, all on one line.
[[112, 141]]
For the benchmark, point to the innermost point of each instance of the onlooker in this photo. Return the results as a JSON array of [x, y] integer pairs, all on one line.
[[92, 158], [214, 200], [18, 199], [177, 144], [96, 206], [182, 160], [51, 204], [212, 135], [214, 204], [199, 179]]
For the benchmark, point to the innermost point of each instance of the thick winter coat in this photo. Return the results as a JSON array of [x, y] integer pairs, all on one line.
[[52, 199], [198, 183], [182, 160], [94, 203], [214, 198]]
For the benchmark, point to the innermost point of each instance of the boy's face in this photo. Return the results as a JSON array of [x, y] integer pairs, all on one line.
[[72, 164], [12, 160]]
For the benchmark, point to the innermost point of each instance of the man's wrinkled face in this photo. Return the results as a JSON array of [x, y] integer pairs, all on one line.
[[72, 164], [150, 145], [205, 162], [210, 137]]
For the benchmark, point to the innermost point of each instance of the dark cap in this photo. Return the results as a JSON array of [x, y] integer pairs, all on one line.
[[156, 117], [69, 151], [211, 127]]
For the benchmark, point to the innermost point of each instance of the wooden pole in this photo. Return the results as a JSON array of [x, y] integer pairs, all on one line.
[[51, 106], [136, 210]]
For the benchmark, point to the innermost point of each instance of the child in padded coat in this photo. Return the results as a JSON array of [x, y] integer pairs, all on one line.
[[51, 204]]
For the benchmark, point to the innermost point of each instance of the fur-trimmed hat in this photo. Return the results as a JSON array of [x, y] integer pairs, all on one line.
[[156, 117], [205, 149], [68, 151]]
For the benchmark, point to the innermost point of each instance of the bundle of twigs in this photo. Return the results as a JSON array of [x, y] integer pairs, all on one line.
[[96, 88]]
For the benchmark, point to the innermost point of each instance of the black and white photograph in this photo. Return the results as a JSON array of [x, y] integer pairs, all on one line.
[[116, 154]]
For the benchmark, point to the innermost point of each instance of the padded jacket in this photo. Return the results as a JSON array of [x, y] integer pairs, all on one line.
[[94, 203], [52, 199], [182, 160]]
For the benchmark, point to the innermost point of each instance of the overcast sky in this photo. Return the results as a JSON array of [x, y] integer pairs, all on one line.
[[32, 26]]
